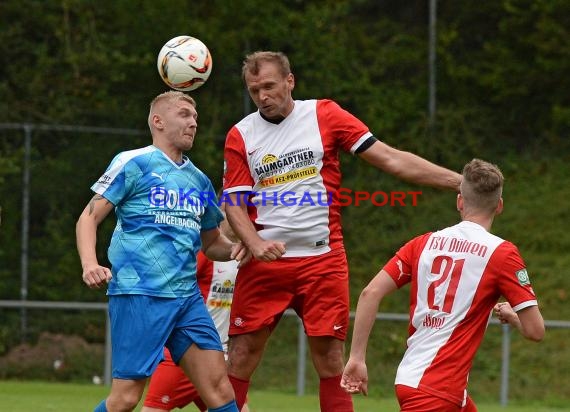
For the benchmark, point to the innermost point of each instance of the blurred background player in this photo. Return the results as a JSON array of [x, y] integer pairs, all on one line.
[[169, 386], [291, 147], [457, 276]]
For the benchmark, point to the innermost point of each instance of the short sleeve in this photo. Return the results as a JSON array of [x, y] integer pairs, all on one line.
[[237, 176], [212, 214], [117, 181], [401, 266], [349, 132], [513, 279]]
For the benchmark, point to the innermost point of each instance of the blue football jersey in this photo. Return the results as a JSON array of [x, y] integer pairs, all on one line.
[[161, 208]]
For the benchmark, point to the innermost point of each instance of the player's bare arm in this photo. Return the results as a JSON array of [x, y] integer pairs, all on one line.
[[355, 374], [261, 249], [410, 167], [216, 246], [528, 321], [94, 275]]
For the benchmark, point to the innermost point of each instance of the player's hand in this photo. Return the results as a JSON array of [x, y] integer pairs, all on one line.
[[268, 250], [355, 378], [240, 253], [505, 312], [96, 276]]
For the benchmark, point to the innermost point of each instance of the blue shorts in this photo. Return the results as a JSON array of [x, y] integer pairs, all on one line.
[[141, 326]]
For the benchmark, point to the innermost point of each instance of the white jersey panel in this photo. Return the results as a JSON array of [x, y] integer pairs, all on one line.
[[450, 269], [289, 193], [220, 296]]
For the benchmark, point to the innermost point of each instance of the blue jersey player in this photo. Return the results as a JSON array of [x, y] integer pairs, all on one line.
[[166, 212]]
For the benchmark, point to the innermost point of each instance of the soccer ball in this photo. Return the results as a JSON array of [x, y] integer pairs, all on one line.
[[184, 63]]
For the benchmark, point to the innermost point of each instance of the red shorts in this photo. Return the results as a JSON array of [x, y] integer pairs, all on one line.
[[413, 400], [316, 287], [170, 388]]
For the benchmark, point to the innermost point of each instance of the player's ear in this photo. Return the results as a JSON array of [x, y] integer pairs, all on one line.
[[291, 81], [157, 121], [499, 209], [459, 202]]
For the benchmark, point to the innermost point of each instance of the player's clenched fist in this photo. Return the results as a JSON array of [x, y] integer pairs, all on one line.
[[96, 276], [505, 313], [268, 250]]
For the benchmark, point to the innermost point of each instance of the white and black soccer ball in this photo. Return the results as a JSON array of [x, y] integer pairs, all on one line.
[[184, 63]]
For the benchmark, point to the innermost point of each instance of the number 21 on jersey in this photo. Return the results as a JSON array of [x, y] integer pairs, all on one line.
[[444, 266]]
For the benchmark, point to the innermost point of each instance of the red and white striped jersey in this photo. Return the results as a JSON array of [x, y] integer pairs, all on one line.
[[457, 275], [217, 281], [293, 168]]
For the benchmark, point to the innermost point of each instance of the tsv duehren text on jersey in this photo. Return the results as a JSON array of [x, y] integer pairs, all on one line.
[[456, 276]]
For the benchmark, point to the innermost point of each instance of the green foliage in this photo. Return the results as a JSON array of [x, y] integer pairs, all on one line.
[[507, 59], [502, 81]]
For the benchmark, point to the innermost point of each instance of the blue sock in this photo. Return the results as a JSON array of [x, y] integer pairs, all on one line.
[[101, 407], [228, 407]]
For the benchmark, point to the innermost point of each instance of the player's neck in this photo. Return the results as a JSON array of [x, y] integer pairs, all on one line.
[[482, 220], [274, 120], [172, 153], [281, 116]]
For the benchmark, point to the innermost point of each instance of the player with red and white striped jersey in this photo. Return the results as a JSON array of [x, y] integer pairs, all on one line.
[[456, 277], [283, 160]]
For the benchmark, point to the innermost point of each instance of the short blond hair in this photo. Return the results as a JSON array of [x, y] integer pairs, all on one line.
[[482, 185], [172, 95], [169, 96], [252, 62]]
